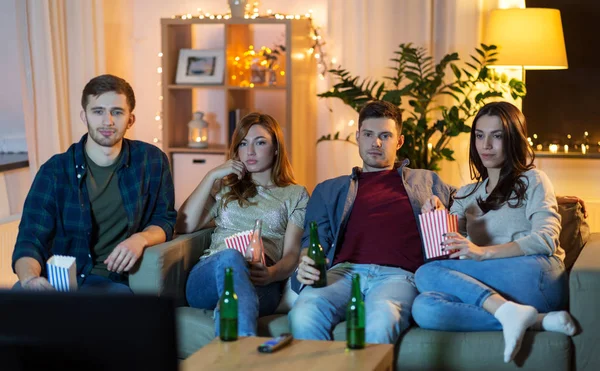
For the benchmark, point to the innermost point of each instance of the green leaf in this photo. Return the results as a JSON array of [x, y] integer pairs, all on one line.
[[476, 61], [455, 70], [447, 153], [393, 96], [471, 65], [468, 103]]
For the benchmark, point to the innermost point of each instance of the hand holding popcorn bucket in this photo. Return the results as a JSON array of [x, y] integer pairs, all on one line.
[[434, 225]]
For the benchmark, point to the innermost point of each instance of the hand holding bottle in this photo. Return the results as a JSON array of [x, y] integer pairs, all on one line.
[[255, 250], [260, 274], [312, 269], [307, 273]]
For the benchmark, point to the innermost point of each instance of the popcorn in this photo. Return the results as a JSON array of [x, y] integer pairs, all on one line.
[[433, 225]]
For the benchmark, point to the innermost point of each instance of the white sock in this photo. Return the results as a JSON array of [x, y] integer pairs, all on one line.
[[515, 319], [560, 321]]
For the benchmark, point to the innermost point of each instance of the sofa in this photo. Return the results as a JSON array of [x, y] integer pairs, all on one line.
[[164, 268]]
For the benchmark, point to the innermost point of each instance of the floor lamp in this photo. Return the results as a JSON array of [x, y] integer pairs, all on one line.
[[530, 38]]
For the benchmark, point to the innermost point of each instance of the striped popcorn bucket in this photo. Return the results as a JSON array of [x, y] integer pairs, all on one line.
[[433, 225], [62, 272], [239, 241]]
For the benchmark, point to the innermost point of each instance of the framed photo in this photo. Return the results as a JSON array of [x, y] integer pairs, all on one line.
[[200, 66]]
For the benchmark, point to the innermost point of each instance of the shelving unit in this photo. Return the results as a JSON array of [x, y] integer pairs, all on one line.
[[291, 101]]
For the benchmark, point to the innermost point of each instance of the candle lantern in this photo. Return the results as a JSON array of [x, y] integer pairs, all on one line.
[[198, 131]]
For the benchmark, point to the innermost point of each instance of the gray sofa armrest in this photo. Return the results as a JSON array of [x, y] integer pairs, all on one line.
[[164, 268], [584, 289]]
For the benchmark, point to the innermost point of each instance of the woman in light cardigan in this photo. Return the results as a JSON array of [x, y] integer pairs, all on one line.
[[509, 274]]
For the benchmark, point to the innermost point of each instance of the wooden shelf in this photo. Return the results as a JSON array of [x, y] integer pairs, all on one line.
[[257, 87], [194, 86], [231, 21], [220, 87], [291, 102], [212, 148]]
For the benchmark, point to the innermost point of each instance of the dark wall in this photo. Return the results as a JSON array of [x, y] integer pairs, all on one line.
[[562, 102]]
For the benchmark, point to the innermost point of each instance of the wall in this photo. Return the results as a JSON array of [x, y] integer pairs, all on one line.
[[576, 177], [14, 183], [12, 127]]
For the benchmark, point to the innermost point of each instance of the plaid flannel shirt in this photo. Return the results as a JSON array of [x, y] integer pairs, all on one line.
[[57, 216]]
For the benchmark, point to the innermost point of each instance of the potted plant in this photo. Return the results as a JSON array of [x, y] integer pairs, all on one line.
[[428, 123]]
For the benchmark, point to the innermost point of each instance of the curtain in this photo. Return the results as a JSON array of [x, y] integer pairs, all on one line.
[[362, 36], [62, 47]]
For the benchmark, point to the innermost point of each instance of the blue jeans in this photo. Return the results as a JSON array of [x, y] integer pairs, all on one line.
[[205, 286], [453, 291], [96, 284], [388, 294]]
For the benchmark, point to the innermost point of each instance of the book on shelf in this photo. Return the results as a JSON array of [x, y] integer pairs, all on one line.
[[234, 118]]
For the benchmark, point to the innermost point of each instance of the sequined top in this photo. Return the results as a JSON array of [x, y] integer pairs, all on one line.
[[275, 206]]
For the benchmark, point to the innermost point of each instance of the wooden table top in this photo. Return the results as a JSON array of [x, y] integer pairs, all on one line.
[[302, 355]]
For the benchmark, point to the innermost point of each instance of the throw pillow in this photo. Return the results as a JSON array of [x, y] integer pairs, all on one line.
[[575, 232]]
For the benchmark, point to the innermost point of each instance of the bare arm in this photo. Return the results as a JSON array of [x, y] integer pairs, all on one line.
[[291, 253], [194, 213]]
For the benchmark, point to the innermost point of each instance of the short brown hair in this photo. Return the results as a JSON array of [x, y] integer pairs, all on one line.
[[380, 109], [108, 83]]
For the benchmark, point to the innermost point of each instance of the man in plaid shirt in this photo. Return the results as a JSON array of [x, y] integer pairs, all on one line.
[[102, 201]]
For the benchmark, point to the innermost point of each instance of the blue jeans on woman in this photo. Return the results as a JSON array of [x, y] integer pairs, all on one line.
[[388, 294], [453, 291], [206, 282]]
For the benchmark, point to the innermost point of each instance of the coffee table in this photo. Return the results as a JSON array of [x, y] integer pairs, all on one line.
[[304, 355]]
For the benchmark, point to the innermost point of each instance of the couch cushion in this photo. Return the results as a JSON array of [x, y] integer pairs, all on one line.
[[575, 232], [195, 329], [438, 350]]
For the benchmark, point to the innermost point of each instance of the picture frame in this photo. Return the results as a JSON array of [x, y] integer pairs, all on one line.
[[200, 66]]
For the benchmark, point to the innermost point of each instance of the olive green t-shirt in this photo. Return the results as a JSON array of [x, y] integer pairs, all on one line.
[[109, 218]]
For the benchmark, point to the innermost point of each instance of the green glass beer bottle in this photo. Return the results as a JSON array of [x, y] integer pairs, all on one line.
[[315, 252], [355, 317], [228, 310]]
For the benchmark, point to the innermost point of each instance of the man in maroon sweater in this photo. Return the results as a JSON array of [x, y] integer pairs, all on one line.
[[367, 225]]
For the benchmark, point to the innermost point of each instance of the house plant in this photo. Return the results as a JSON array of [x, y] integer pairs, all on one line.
[[418, 85]]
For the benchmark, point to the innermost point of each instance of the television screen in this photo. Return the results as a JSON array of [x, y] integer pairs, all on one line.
[[73, 331]]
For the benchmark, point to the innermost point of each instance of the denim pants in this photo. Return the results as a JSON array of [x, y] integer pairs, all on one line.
[[453, 291], [388, 294], [97, 284], [206, 282]]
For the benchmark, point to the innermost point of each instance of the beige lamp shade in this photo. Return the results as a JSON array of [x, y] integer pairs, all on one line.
[[531, 38]]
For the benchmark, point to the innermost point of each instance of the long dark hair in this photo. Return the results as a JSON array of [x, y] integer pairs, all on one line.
[[282, 174], [518, 158]]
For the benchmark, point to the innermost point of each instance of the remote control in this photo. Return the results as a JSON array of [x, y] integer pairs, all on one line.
[[275, 344]]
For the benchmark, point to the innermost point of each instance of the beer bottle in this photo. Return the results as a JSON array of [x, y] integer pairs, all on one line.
[[255, 250], [228, 310], [315, 252], [355, 317]]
